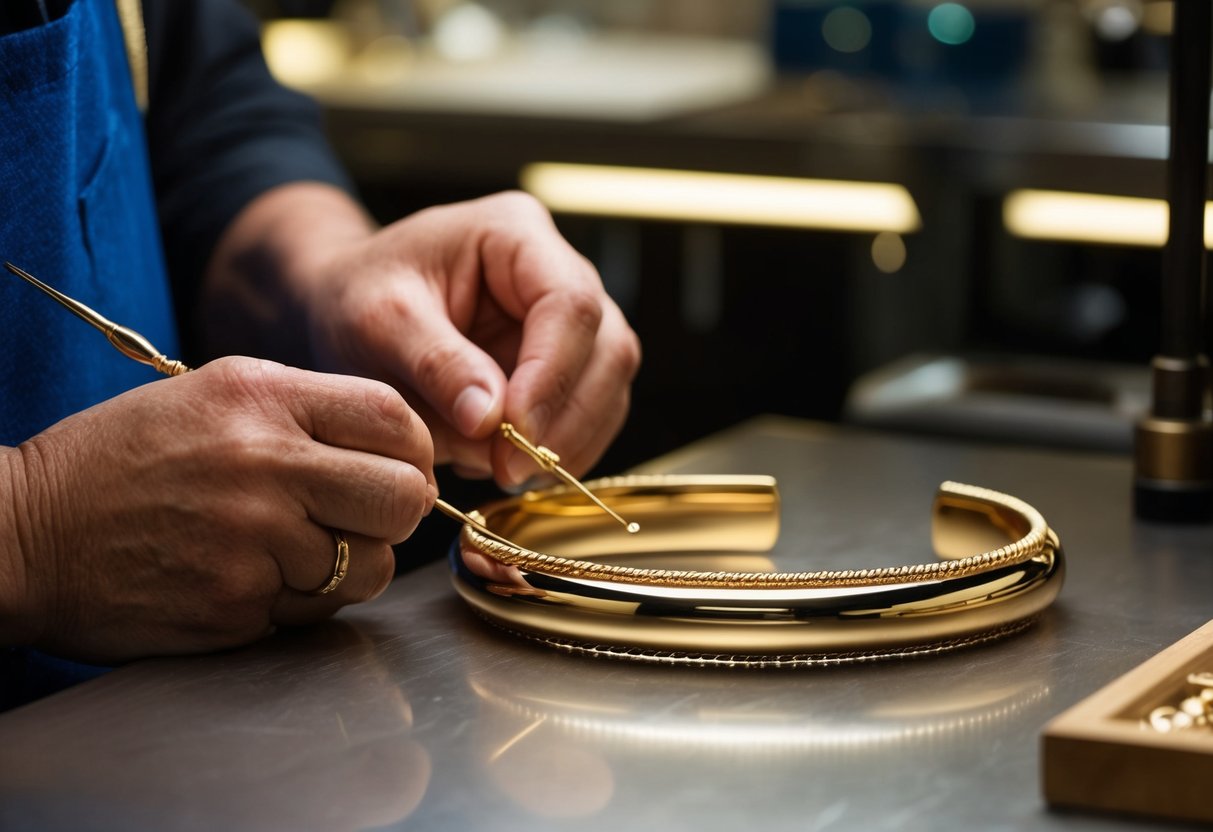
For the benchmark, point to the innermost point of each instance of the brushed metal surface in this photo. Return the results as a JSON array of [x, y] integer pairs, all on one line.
[[411, 713]]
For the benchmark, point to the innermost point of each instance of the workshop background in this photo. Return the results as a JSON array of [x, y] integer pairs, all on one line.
[[994, 275]]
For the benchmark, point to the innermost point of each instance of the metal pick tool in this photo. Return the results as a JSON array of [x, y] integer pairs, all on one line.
[[549, 461], [127, 341], [135, 346]]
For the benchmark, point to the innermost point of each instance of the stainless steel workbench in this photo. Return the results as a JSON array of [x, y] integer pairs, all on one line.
[[410, 712]]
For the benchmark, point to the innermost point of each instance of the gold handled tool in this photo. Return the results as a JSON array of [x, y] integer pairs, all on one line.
[[135, 346], [549, 461], [127, 341]]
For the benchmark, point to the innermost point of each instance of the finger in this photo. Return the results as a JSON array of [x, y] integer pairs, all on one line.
[[341, 411], [423, 350], [593, 413], [558, 337], [363, 493], [369, 572], [585, 447], [524, 256], [537, 278], [579, 441], [361, 415], [471, 456]]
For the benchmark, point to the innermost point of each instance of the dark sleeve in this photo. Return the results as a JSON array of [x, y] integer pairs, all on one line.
[[220, 130]]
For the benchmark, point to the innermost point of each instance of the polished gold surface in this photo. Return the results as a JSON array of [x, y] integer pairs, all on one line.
[[687, 514], [750, 618], [1174, 450], [677, 711]]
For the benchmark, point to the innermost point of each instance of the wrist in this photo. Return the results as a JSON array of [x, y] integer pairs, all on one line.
[[272, 262], [297, 230]]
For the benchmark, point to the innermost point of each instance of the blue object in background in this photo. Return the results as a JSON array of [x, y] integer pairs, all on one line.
[[908, 44]]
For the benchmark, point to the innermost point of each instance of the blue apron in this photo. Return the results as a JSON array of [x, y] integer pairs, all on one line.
[[78, 212]]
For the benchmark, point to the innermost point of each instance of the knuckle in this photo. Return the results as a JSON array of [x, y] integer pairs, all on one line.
[[626, 356], [519, 203], [240, 447], [434, 365], [387, 404], [379, 311], [247, 375], [584, 308], [562, 384], [244, 584]]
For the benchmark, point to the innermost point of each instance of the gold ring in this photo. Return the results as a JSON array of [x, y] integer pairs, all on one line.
[[340, 568]]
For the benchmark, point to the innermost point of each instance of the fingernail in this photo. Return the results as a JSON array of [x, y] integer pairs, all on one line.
[[471, 408]]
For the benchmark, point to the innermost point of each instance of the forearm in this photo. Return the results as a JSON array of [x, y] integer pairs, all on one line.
[[257, 283]]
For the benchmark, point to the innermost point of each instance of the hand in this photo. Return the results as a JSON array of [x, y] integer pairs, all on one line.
[[480, 312], [194, 513]]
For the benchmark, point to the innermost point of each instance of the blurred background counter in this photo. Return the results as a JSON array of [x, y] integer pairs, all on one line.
[[959, 289]]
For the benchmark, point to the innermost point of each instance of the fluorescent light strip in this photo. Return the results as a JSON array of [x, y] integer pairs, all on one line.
[[695, 196], [1091, 218]]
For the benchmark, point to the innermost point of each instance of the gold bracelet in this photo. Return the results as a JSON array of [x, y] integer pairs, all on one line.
[[751, 617]]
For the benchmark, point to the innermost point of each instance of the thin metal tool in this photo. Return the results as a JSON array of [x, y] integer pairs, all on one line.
[[455, 514], [549, 461], [127, 341]]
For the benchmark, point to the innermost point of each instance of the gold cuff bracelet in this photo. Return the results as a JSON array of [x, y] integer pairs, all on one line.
[[976, 592]]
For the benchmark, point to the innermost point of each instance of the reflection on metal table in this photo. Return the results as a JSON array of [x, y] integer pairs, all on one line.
[[409, 712]]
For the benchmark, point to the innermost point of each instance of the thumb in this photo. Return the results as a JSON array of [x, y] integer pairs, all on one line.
[[461, 382]]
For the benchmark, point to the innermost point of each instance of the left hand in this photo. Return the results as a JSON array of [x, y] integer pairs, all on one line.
[[480, 312]]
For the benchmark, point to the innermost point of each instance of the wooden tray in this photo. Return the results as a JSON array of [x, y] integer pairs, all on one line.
[[1097, 755]]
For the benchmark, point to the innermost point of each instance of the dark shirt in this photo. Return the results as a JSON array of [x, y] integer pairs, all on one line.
[[18, 15], [220, 131]]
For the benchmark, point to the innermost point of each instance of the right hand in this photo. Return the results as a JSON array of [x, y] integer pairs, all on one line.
[[195, 513]]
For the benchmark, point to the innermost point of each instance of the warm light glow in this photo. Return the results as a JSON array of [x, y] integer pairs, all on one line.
[[1156, 17], [694, 196], [1091, 218], [303, 52], [888, 252]]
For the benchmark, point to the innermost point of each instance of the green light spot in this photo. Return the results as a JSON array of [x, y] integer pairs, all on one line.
[[951, 23], [846, 29]]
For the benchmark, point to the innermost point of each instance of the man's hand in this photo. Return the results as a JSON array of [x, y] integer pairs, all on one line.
[[479, 312], [195, 513]]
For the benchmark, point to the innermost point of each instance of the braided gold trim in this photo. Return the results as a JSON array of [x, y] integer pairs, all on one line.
[[1018, 551]]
